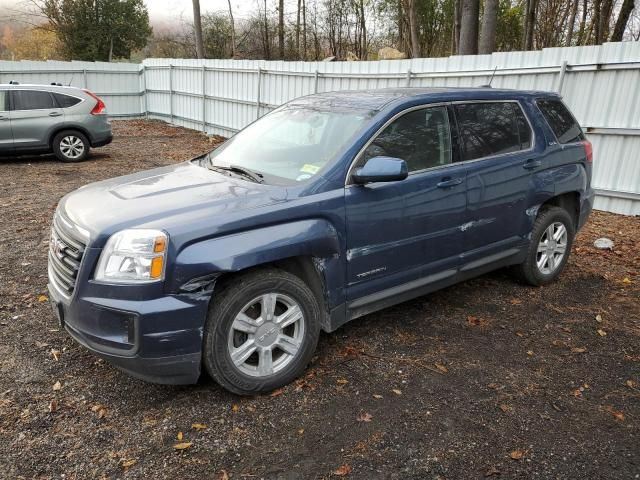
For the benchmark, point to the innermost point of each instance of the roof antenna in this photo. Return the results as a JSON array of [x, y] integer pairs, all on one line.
[[488, 85], [69, 84]]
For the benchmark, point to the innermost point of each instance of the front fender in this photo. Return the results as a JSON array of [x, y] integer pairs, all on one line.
[[232, 253]]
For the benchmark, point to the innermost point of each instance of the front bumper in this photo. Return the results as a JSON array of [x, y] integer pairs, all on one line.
[[158, 340]]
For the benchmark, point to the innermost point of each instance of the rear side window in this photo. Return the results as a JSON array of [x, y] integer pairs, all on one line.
[[492, 128], [66, 101], [560, 120], [32, 100]]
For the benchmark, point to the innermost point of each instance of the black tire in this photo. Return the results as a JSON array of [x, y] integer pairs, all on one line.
[[59, 148], [528, 271], [229, 302]]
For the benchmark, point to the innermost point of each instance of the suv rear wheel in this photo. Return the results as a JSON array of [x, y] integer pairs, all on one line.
[[551, 241], [261, 331], [71, 146]]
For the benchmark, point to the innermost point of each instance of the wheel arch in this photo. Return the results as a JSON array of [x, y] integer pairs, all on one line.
[[70, 128], [569, 201]]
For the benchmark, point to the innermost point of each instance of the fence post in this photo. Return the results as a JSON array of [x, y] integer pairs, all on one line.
[[204, 99], [144, 91], [170, 93], [563, 71], [315, 82], [408, 77], [258, 93], [84, 78]]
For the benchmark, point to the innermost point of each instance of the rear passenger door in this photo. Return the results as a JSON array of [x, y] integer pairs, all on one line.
[[497, 145], [34, 114]]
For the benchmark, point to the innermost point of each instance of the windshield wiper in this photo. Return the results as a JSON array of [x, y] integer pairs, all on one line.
[[254, 176]]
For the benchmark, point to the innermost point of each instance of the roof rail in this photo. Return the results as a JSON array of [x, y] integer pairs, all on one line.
[[13, 82]]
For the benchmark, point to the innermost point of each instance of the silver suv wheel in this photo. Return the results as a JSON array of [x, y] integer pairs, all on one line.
[[72, 147], [266, 335]]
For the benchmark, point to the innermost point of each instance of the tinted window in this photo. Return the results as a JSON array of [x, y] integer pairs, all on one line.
[[32, 100], [488, 129], [421, 138], [561, 121], [65, 101]]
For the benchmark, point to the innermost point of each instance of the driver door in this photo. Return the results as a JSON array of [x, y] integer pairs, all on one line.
[[408, 233]]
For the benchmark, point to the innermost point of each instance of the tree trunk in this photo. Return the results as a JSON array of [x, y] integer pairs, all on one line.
[[197, 27], [572, 22], [363, 25], [413, 28], [233, 31], [583, 24], [623, 19], [298, 29], [489, 25], [304, 30], [457, 13], [596, 21], [281, 28], [530, 23], [267, 48], [605, 17], [469, 27]]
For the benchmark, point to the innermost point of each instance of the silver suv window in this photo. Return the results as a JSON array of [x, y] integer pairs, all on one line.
[[66, 101], [32, 100]]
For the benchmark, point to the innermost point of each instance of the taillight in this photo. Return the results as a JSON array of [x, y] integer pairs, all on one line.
[[100, 107], [588, 150]]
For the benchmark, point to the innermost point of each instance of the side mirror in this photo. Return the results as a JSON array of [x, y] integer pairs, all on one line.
[[381, 169]]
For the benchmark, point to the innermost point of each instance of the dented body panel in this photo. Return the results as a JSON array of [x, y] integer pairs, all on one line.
[[369, 246]]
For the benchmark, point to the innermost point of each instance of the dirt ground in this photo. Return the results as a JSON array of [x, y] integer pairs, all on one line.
[[488, 378]]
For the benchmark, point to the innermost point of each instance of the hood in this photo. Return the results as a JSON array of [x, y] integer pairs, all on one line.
[[162, 198]]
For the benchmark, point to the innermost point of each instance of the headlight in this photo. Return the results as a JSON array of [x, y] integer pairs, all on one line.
[[133, 256]]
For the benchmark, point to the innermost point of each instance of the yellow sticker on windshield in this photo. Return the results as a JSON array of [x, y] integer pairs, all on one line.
[[308, 168]]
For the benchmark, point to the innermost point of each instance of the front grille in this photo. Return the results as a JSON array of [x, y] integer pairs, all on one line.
[[65, 256]]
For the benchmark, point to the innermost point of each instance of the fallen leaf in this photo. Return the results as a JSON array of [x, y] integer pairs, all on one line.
[[618, 415], [441, 367], [630, 384], [41, 344], [601, 332], [505, 408], [342, 470], [598, 318], [626, 280], [277, 392], [182, 446], [53, 406], [516, 301], [396, 391], [477, 322], [491, 471], [530, 352], [364, 417], [376, 396], [198, 426], [129, 463], [235, 407], [43, 298], [223, 475], [518, 454], [342, 381], [179, 436], [578, 350], [520, 334], [301, 431], [57, 386], [55, 354], [577, 393], [100, 410]]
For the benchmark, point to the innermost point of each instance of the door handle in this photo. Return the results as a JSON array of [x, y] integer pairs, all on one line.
[[448, 182], [532, 164], [55, 114]]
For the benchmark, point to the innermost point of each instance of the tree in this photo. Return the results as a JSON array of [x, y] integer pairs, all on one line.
[[410, 6], [37, 43], [216, 36], [489, 27], [97, 30], [469, 27], [233, 31], [197, 28], [529, 24], [281, 29], [623, 19]]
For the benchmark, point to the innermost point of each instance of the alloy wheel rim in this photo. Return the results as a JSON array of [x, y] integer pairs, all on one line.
[[71, 146], [266, 335], [552, 248]]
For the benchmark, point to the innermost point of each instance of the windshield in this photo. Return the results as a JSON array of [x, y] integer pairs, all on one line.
[[291, 144]]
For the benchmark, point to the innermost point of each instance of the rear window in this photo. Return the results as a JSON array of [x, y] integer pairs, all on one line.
[[32, 100], [66, 101], [560, 120], [492, 128]]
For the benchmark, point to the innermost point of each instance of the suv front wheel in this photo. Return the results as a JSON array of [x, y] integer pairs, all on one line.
[[71, 146], [261, 332], [551, 241]]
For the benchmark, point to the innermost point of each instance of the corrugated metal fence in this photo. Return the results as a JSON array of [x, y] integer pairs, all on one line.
[[601, 84]]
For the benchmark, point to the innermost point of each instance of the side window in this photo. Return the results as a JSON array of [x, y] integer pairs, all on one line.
[[65, 101], [488, 129], [560, 120], [421, 138], [32, 100]]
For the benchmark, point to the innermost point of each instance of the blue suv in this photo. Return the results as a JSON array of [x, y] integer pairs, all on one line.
[[330, 207]]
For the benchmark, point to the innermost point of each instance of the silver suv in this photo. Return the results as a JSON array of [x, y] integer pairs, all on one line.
[[67, 121]]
